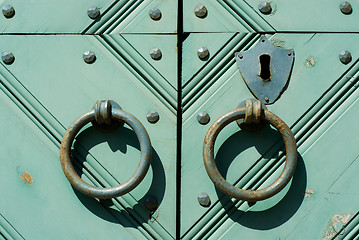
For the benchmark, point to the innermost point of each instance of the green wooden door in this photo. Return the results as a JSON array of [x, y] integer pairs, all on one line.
[[45, 84]]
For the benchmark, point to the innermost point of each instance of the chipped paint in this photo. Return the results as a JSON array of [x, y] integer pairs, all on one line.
[[154, 216], [310, 62], [27, 178], [274, 8], [308, 193], [336, 223], [278, 43]]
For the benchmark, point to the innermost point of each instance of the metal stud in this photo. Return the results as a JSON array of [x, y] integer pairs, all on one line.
[[204, 199], [345, 7], [152, 116], [203, 118], [8, 57], [93, 12], [265, 7], [89, 57], [8, 11], [345, 57], [156, 53], [151, 203], [200, 11], [155, 14], [202, 52]]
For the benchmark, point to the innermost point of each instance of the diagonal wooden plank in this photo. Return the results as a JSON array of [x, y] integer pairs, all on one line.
[[192, 64], [142, 23], [140, 67], [132, 16], [166, 66], [117, 12], [243, 12], [50, 16], [213, 69], [7, 231]]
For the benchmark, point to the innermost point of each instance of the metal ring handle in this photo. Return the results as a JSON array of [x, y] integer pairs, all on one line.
[[110, 192], [226, 187]]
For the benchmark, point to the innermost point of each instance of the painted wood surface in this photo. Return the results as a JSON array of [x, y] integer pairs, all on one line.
[[49, 85], [317, 96]]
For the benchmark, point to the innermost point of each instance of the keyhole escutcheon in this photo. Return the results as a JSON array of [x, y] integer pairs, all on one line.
[[264, 62]]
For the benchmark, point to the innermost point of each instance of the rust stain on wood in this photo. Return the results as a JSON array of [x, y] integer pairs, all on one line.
[[27, 178]]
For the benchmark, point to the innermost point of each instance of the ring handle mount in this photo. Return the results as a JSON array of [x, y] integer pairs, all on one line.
[[254, 126], [217, 178], [102, 114], [103, 121]]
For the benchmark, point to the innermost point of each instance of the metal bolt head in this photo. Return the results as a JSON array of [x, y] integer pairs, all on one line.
[[200, 11], [93, 12], [155, 14], [203, 118], [8, 11], [89, 57], [156, 53], [151, 203], [265, 7], [345, 57], [8, 57], [204, 199], [345, 7], [152, 116], [202, 52]]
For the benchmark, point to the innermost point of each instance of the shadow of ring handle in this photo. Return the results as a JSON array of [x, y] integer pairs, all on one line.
[[110, 192], [235, 192]]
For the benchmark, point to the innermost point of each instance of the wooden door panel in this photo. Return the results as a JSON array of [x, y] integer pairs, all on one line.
[[285, 16], [70, 17], [56, 86], [318, 16], [319, 84]]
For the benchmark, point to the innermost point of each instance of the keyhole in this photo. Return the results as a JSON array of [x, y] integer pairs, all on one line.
[[264, 61]]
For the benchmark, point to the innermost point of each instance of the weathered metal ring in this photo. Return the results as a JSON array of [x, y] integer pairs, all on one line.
[[110, 192], [235, 192]]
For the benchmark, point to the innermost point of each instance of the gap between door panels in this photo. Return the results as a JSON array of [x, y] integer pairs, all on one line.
[[180, 38]]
